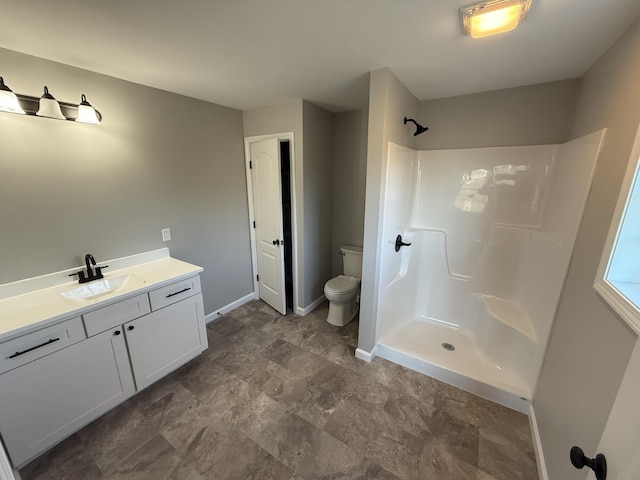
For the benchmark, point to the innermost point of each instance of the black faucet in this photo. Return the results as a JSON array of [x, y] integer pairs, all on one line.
[[88, 261], [90, 274]]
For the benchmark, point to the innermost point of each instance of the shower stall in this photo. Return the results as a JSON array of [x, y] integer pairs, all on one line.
[[471, 299]]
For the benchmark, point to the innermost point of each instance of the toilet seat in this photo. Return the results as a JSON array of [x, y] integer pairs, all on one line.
[[341, 285]]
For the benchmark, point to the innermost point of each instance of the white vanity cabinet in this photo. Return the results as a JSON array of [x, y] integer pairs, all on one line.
[[165, 339], [66, 375], [46, 400]]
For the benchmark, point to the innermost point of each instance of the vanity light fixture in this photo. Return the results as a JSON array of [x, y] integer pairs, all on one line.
[[86, 113], [49, 106], [493, 17], [8, 100]]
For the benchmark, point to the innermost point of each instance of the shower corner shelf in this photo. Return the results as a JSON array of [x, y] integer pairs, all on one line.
[[509, 314]]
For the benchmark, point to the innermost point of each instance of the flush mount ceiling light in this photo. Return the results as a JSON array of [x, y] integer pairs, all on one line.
[[49, 106], [490, 18], [8, 100]]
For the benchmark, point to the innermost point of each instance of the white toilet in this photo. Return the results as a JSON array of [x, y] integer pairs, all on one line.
[[343, 290]]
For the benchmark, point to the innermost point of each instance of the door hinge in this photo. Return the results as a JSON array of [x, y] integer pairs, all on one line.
[[254, 224], [250, 165], [257, 278]]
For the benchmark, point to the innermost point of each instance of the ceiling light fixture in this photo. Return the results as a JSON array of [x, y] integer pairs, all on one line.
[[489, 18], [49, 106], [8, 100]]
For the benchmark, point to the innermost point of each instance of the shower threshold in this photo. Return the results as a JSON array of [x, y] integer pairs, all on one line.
[[452, 356]]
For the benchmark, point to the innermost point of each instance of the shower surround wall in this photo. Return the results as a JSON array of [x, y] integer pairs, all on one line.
[[491, 233]]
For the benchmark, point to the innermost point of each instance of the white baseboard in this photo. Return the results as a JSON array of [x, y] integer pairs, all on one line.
[[364, 355], [227, 308], [537, 445], [311, 307]]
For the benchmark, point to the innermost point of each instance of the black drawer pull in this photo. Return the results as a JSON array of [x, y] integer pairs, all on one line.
[[17, 354], [178, 293]]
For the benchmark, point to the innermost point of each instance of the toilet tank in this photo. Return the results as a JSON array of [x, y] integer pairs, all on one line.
[[351, 260]]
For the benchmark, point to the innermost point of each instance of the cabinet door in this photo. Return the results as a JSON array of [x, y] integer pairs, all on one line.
[[45, 401], [165, 339]]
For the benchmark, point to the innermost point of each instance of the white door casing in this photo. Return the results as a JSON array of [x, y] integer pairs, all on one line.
[[267, 207]]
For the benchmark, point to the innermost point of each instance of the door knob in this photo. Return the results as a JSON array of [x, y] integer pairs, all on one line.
[[598, 464], [276, 242]]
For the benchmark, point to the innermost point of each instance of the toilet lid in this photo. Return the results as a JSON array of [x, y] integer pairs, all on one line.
[[341, 284]]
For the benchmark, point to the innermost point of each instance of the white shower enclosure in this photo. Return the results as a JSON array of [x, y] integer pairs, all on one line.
[[471, 301]]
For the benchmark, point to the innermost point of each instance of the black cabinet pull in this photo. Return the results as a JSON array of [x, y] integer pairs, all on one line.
[[117, 332], [130, 327], [49, 342], [178, 293]]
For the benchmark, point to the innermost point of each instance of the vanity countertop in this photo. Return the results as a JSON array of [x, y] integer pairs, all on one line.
[[40, 307]]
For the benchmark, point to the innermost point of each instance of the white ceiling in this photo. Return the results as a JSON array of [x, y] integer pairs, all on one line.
[[251, 53]]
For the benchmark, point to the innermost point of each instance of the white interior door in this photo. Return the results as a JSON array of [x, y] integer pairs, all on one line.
[[267, 200], [620, 442]]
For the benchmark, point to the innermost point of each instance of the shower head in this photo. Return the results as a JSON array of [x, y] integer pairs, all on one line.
[[419, 128]]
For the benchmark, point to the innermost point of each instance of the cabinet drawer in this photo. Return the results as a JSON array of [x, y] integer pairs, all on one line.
[[116, 314], [174, 293], [34, 345]]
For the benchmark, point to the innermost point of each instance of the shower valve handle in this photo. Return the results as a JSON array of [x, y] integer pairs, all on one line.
[[400, 243]]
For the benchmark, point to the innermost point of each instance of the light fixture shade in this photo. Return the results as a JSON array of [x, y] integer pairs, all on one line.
[[86, 113], [8, 100], [49, 106], [492, 17]]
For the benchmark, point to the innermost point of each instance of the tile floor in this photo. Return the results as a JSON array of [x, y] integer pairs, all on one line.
[[284, 398]]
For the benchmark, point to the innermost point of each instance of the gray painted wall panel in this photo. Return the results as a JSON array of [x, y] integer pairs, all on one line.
[[349, 177], [318, 199], [531, 115], [588, 338], [158, 160], [389, 102]]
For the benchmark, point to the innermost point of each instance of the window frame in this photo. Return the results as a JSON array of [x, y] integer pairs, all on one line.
[[626, 308]]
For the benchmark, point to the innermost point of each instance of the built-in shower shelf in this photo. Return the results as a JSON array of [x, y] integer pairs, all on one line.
[[508, 313]]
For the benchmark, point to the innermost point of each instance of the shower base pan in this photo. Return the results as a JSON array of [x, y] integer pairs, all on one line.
[[451, 355]]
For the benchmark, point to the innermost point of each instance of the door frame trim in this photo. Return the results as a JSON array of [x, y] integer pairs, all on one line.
[[288, 136]]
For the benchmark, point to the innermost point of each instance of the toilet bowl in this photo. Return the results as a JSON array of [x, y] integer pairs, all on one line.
[[342, 293], [343, 290]]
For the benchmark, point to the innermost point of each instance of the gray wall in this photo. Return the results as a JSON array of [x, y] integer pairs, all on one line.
[[349, 176], [318, 198], [389, 102], [530, 115], [158, 160], [589, 343]]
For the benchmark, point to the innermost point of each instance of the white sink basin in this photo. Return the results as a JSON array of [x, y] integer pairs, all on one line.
[[97, 288]]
